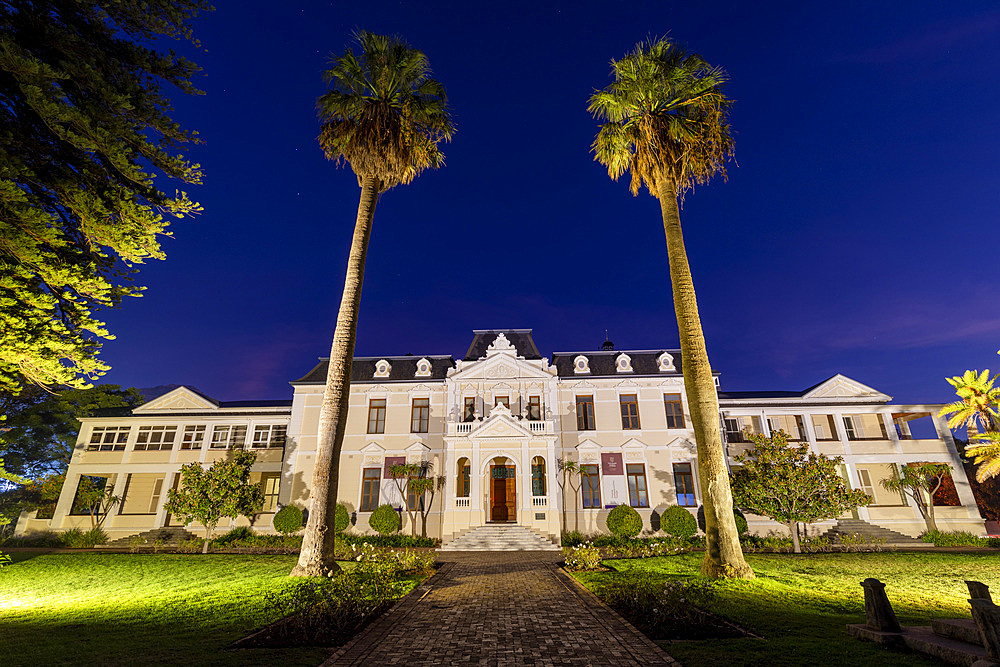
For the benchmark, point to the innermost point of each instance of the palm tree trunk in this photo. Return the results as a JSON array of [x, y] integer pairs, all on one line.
[[316, 558], [723, 555]]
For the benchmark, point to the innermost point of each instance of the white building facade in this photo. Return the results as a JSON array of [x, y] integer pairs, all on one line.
[[494, 425]]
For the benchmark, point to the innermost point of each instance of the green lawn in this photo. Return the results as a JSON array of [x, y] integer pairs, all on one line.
[[121, 609], [801, 603]]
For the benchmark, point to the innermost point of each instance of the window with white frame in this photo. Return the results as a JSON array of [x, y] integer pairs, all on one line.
[[229, 436], [865, 427], [269, 483], [108, 438], [194, 437], [268, 435], [824, 427], [790, 424], [155, 438]]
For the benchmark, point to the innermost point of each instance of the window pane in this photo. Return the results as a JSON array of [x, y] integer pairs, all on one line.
[[420, 415], [585, 413], [684, 485], [590, 486], [370, 489], [630, 411], [376, 415], [675, 414]]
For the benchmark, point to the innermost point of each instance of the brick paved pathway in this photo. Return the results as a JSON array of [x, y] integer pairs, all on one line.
[[500, 608]]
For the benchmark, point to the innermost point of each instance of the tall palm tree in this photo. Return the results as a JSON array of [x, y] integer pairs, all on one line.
[[985, 453], [384, 116], [977, 408], [665, 122]]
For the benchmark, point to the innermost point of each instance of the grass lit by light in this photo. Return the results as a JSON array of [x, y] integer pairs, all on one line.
[[801, 604]]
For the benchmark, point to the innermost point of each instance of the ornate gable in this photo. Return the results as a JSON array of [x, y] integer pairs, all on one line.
[[843, 387], [181, 399], [500, 424]]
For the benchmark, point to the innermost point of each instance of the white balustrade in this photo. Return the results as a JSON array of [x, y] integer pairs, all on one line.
[[463, 502], [540, 501]]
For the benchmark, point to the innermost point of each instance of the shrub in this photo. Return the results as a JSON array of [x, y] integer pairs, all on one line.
[[95, 536], [958, 538], [668, 609], [236, 534], [134, 542], [190, 546], [398, 541], [624, 521], [572, 538], [342, 520], [741, 521], [4, 559], [46, 538], [288, 520], [384, 520], [73, 539], [678, 521], [583, 557]]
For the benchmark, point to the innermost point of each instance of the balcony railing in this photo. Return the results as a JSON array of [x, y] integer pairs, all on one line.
[[539, 501], [541, 427], [464, 503]]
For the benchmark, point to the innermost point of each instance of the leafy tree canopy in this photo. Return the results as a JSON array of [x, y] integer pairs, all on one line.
[[86, 128], [920, 481], [790, 484], [206, 495], [41, 427]]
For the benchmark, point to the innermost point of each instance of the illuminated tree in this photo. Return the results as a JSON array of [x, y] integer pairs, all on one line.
[[977, 407], [790, 484], [207, 495], [920, 482], [384, 117], [86, 128], [665, 123], [568, 471]]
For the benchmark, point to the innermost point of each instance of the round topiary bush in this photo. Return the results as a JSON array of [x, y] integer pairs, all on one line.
[[623, 521], [287, 520], [679, 522], [384, 520], [741, 521], [342, 520]]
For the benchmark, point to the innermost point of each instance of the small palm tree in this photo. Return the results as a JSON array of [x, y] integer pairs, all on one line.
[[665, 123], [984, 448], [384, 116], [977, 409]]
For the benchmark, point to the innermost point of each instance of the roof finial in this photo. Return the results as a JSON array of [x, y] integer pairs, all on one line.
[[607, 344]]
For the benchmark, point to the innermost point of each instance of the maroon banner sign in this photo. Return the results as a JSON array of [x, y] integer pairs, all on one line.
[[392, 461], [611, 464]]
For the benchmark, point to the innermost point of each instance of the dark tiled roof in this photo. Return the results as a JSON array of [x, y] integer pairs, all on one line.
[[402, 369], [737, 395], [112, 412], [602, 363], [520, 338], [256, 404]]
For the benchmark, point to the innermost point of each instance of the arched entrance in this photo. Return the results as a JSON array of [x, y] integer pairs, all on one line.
[[503, 490]]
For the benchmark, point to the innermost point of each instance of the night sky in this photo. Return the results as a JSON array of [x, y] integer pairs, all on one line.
[[857, 234]]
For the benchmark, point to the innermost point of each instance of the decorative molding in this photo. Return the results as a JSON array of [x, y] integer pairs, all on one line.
[[423, 368], [666, 362], [500, 344], [841, 386], [623, 363], [177, 400], [382, 369], [377, 389], [581, 365]]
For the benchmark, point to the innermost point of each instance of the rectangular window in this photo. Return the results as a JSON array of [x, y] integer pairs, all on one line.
[[737, 428], [824, 427], [590, 486], [684, 485], [370, 489], [108, 438], [534, 407], [630, 411], [637, 496], [376, 415], [790, 424], [229, 436], [675, 412], [154, 501], [469, 412], [870, 478], [585, 413], [268, 435], [865, 427], [194, 437], [155, 438], [269, 483], [420, 415], [538, 479], [497, 400], [413, 501]]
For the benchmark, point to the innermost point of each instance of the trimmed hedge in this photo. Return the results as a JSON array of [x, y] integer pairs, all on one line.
[[385, 520], [287, 520], [624, 521], [342, 520], [679, 522]]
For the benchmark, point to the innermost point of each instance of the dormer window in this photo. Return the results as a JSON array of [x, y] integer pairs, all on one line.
[[623, 363], [382, 368], [581, 365], [666, 361], [423, 368]]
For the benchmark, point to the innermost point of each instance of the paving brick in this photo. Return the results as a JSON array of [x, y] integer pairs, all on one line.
[[500, 608]]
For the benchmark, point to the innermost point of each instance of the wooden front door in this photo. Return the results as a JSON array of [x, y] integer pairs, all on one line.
[[502, 493]]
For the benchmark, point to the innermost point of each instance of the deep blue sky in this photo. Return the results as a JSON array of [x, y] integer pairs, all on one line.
[[858, 233]]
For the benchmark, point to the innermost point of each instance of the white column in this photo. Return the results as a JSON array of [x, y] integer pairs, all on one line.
[[65, 502], [890, 430], [161, 514]]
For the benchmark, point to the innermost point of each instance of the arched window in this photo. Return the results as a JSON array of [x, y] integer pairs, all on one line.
[[538, 476], [464, 482]]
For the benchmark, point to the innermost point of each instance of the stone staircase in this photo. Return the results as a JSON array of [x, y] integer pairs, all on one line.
[[500, 537], [170, 536], [870, 531]]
